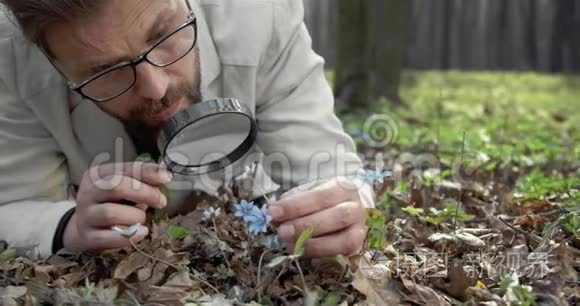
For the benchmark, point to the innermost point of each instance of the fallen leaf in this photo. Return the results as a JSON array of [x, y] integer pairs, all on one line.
[[459, 280], [165, 295], [70, 280], [424, 295], [532, 222], [132, 263], [533, 207], [181, 279], [216, 300], [458, 237], [378, 291], [10, 293]]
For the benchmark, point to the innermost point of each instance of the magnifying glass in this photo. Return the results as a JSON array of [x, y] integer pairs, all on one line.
[[207, 137]]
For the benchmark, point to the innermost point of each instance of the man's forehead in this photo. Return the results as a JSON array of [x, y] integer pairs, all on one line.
[[121, 27], [125, 21]]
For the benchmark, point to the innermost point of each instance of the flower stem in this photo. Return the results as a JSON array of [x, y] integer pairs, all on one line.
[[222, 251], [301, 275]]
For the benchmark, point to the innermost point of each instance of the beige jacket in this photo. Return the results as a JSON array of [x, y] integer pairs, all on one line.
[[257, 51]]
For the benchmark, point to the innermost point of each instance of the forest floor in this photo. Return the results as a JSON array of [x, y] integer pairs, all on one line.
[[478, 203]]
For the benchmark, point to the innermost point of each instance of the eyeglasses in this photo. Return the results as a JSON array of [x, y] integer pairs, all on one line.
[[117, 80]]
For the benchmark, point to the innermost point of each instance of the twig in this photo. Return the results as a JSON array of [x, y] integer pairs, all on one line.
[[259, 286], [551, 213], [171, 265], [205, 282], [151, 256], [260, 272], [536, 239], [460, 196]]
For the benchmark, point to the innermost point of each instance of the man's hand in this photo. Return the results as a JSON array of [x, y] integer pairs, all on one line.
[[334, 210], [98, 204]]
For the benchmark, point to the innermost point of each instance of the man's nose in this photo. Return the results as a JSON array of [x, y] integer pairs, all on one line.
[[152, 82]]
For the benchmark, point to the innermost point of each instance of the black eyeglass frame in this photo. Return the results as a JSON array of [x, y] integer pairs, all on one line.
[[78, 88]]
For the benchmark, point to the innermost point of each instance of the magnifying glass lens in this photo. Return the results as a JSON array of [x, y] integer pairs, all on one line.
[[207, 137], [206, 140]]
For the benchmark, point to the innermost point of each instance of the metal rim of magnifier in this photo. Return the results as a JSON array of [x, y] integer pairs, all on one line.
[[195, 113]]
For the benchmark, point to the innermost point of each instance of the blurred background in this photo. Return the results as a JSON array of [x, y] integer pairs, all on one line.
[[492, 81], [368, 44]]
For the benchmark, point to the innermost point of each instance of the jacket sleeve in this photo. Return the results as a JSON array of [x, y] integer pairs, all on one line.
[[298, 128], [33, 178]]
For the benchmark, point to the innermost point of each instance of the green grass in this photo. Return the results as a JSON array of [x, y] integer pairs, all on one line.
[[509, 119]]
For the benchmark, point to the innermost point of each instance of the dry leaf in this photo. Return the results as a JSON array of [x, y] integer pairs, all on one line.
[[8, 294], [377, 291], [70, 280], [216, 300], [181, 279], [532, 222], [463, 237], [425, 295], [129, 265], [166, 295]]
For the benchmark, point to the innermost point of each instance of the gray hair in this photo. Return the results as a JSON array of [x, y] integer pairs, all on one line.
[[35, 16]]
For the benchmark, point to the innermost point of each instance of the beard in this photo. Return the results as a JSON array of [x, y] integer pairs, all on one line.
[[144, 135]]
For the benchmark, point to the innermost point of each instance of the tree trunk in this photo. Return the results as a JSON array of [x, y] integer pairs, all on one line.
[[353, 54], [388, 41], [371, 43]]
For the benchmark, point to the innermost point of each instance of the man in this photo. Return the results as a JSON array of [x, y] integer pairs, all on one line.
[[78, 77]]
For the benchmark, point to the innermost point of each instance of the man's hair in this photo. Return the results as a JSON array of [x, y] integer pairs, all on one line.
[[35, 16]]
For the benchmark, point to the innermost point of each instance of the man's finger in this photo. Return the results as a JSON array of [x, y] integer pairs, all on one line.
[[324, 222], [148, 173], [311, 201], [110, 214], [346, 242], [106, 239], [123, 188]]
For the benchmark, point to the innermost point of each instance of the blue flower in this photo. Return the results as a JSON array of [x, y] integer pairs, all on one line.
[[244, 210], [376, 175], [259, 221]]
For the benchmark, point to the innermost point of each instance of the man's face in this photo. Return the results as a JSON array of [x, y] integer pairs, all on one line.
[[121, 31]]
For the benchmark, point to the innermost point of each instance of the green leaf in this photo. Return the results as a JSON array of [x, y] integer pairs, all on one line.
[[158, 216], [305, 235], [145, 157], [7, 255], [435, 219], [177, 232], [377, 229], [412, 211], [331, 299]]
